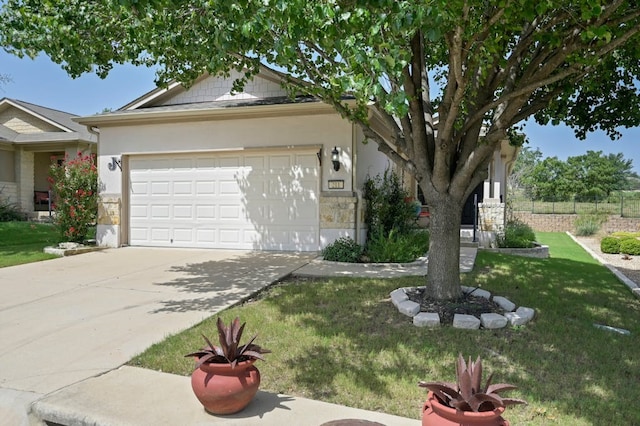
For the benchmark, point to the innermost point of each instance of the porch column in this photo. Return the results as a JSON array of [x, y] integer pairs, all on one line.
[[24, 179]]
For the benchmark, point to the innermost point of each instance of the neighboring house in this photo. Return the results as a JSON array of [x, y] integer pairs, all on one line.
[[202, 167], [31, 137]]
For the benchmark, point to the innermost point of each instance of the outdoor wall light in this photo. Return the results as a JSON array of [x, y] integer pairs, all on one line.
[[335, 158]]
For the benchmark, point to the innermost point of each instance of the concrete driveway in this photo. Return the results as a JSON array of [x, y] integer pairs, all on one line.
[[68, 319]]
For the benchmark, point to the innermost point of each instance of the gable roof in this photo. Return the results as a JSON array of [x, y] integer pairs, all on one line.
[[69, 130], [157, 96]]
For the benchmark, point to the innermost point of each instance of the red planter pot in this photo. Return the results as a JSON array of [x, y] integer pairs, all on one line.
[[225, 390], [436, 414]]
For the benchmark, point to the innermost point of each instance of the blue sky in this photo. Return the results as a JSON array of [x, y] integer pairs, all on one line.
[[44, 83]]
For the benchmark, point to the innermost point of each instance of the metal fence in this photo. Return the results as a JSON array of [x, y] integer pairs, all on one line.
[[619, 206]]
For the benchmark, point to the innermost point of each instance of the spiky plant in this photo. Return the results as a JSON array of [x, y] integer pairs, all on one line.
[[230, 350], [468, 394]]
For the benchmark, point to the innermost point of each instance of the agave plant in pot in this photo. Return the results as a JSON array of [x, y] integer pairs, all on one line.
[[466, 402], [224, 379]]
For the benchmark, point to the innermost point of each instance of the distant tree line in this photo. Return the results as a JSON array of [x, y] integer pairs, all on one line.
[[581, 178]]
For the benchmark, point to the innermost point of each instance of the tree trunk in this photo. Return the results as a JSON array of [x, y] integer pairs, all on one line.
[[443, 273]]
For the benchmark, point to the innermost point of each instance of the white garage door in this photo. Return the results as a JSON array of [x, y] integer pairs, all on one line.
[[261, 200]]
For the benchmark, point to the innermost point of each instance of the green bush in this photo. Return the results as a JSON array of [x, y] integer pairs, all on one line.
[[398, 247], [588, 224], [630, 246], [610, 245], [10, 212], [516, 234], [387, 206], [344, 249]]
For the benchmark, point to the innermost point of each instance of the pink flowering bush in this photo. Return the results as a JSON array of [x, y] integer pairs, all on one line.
[[75, 188]]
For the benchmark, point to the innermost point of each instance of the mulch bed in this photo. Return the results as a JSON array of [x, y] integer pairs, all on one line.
[[467, 304]]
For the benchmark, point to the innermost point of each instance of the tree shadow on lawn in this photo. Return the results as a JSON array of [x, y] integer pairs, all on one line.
[[563, 359], [560, 362]]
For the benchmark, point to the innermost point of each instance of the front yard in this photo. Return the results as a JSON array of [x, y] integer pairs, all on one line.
[[341, 341], [24, 242]]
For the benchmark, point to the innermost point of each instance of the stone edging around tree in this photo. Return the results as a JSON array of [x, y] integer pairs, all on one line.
[[512, 316]]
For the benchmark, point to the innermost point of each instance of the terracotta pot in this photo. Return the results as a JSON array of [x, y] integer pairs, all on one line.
[[435, 413], [225, 390]]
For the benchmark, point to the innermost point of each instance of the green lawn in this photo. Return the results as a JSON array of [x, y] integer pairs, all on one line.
[[24, 242], [341, 341]]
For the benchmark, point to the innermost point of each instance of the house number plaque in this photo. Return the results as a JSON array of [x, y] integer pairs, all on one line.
[[336, 184]]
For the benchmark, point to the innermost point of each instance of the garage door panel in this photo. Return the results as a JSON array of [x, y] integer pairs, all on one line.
[[229, 187], [139, 188], [246, 201], [230, 162], [139, 212], [183, 212], [205, 236], [160, 234], [182, 164], [230, 235], [204, 212], [255, 163], [160, 188], [183, 188], [230, 212], [183, 235], [205, 163], [160, 211], [205, 187], [139, 234]]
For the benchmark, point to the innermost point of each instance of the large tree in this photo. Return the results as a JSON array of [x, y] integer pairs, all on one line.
[[527, 159], [584, 177], [449, 78]]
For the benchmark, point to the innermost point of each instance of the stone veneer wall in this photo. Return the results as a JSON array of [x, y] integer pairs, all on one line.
[[491, 216], [338, 212], [8, 192], [564, 222], [109, 210]]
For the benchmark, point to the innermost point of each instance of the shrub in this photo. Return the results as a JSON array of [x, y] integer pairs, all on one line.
[[75, 185], [516, 234], [630, 246], [588, 224], [344, 249], [387, 208], [9, 212], [610, 245], [397, 246]]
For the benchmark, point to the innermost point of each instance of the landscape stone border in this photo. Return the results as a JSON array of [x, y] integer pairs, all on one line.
[[513, 316], [538, 251], [70, 249]]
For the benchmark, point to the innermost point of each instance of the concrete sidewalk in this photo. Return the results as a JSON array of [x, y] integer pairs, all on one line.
[[320, 268], [66, 335], [135, 396]]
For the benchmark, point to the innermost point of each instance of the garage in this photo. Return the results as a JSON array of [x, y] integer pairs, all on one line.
[[244, 199]]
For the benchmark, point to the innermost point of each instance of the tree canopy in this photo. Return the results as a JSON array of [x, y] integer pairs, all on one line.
[[587, 177], [436, 84]]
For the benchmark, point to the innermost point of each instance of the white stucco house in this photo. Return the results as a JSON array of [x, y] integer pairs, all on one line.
[[203, 167], [31, 137]]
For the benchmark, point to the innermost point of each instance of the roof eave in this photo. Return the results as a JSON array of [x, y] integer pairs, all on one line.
[[257, 111], [35, 114]]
